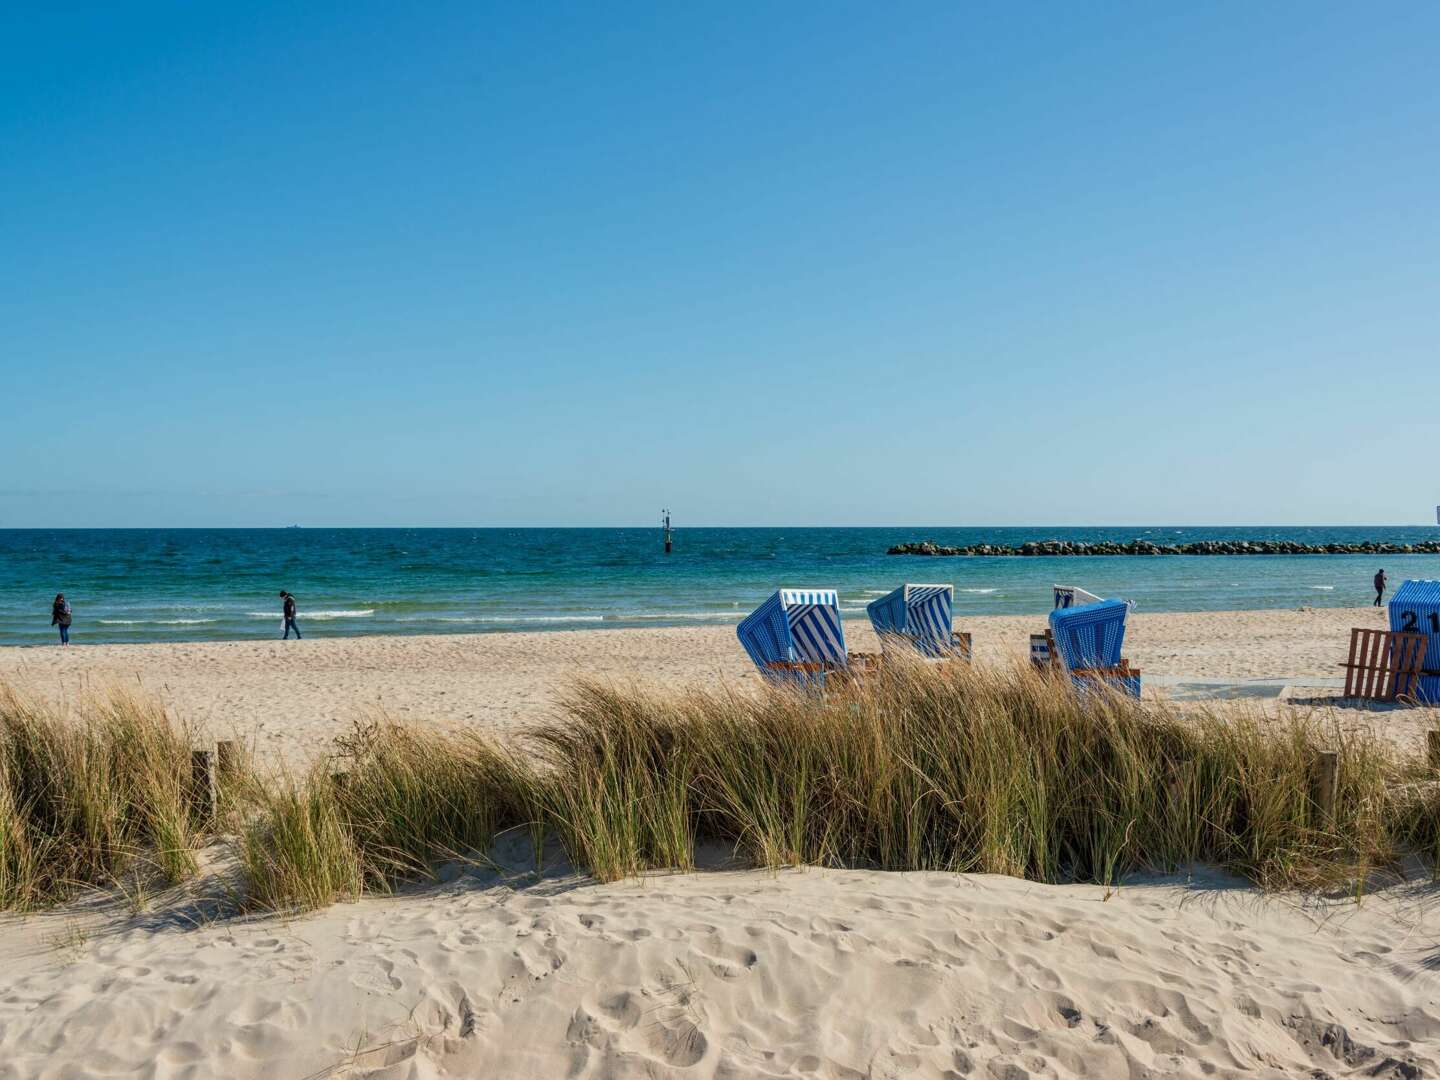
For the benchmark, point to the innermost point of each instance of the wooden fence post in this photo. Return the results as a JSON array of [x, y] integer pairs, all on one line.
[[1432, 747], [1325, 783], [202, 784], [227, 760]]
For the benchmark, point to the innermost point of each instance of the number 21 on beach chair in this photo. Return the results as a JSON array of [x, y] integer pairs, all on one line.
[[1415, 610]]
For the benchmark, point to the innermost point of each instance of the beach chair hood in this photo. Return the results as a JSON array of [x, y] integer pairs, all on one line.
[[1090, 635], [922, 613], [795, 626]]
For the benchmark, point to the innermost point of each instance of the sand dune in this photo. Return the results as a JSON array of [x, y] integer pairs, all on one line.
[[741, 974]]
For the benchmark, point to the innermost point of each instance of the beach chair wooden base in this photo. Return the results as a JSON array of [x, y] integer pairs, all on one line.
[[1384, 665], [864, 663], [1122, 676], [858, 665], [961, 647], [1045, 655]]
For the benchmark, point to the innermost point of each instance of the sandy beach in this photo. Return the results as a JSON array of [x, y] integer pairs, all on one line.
[[813, 973], [290, 699], [504, 972]]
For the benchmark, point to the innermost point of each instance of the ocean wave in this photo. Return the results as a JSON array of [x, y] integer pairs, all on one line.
[[357, 613], [1324, 588], [470, 619], [645, 616], [154, 622], [980, 590]]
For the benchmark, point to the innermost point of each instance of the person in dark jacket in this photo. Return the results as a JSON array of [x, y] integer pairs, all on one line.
[[289, 602], [290, 615], [60, 616], [1379, 586]]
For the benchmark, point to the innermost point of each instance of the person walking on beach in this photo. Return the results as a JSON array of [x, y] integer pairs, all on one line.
[[289, 609], [60, 616], [1379, 586]]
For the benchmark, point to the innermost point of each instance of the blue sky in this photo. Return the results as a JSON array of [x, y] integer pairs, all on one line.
[[464, 264]]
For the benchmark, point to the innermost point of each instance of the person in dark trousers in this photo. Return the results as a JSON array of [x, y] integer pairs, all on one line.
[[1379, 586], [60, 616], [289, 602]]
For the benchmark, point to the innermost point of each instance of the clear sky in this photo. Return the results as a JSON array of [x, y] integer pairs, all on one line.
[[953, 263]]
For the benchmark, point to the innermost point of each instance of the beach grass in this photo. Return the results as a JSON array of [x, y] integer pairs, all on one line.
[[921, 767], [87, 798]]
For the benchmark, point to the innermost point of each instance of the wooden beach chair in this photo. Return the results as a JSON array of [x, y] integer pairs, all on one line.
[[1384, 665], [797, 636], [1085, 640], [920, 617]]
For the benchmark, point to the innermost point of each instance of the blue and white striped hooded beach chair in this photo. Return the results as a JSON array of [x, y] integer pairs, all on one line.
[[1415, 609], [922, 615], [1089, 639], [796, 635]]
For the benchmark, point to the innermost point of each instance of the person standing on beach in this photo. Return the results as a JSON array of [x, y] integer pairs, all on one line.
[[289, 609], [1379, 586], [60, 616]]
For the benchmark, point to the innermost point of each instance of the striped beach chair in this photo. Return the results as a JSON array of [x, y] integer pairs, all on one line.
[[1415, 609], [1070, 595], [1088, 639], [921, 615], [796, 636]]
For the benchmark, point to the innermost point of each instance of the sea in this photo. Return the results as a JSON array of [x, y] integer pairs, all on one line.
[[142, 585]]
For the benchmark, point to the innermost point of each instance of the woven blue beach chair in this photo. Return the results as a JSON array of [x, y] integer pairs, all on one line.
[[1088, 639], [796, 636], [920, 615], [1415, 609]]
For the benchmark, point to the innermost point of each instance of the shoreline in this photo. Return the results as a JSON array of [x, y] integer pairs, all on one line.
[[327, 627], [289, 699]]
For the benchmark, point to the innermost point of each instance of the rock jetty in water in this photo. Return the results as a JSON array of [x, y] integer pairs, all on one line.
[[1148, 547]]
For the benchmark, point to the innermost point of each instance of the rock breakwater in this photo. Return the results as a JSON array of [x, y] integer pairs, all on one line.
[[1149, 547]]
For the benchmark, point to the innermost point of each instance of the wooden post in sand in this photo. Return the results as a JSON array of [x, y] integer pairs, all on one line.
[[227, 760], [1325, 782], [1432, 747], [202, 785]]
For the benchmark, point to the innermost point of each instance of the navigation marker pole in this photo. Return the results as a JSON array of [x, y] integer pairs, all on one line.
[[668, 542]]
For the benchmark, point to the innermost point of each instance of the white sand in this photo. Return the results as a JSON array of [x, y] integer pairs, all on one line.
[[743, 974], [290, 699], [734, 974]]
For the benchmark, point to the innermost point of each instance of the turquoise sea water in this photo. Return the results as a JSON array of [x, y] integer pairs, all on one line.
[[199, 584]]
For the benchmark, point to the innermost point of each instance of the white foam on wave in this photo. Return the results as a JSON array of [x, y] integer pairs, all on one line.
[[980, 590], [644, 616], [1324, 588], [301, 616], [154, 622], [535, 618], [471, 619]]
